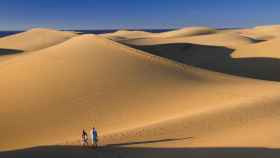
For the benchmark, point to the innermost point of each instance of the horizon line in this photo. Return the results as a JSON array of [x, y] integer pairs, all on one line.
[[113, 29]]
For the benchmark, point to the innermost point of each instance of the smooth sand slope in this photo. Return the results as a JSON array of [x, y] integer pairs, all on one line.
[[143, 105], [31, 40], [231, 40], [195, 35], [34, 39], [262, 32], [185, 32], [266, 49], [137, 37], [212, 52], [223, 51], [125, 34], [90, 80]]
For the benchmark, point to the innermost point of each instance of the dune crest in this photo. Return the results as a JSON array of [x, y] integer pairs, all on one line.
[[264, 33], [267, 49], [126, 34], [184, 32], [35, 39], [225, 39]]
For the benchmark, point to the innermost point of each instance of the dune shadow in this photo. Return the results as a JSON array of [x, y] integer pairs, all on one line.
[[141, 152], [216, 58], [9, 51], [254, 40], [148, 142]]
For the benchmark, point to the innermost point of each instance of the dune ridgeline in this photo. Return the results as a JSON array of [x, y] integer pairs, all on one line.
[[193, 88]]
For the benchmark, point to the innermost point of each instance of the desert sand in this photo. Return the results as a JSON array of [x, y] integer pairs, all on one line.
[[266, 32], [193, 92], [31, 40]]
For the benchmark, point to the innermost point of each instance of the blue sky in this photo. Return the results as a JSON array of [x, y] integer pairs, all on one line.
[[136, 14]]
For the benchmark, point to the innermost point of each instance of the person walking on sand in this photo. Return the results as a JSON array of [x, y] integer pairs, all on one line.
[[84, 139], [94, 137]]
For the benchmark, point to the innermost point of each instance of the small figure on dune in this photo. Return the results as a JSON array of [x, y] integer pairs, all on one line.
[[94, 137], [84, 140]]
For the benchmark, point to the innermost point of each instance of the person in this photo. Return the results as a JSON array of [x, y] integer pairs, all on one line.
[[84, 140], [94, 137]]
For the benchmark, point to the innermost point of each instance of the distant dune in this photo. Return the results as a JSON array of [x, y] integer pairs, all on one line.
[[185, 32], [267, 49], [189, 31], [31, 40], [219, 51], [125, 34], [34, 39], [231, 40], [263, 32], [148, 94]]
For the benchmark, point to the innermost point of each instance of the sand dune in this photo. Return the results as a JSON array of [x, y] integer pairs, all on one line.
[[196, 35], [88, 78], [184, 32], [188, 31], [139, 101], [31, 40], [230, 40], [93, 81], [267, 49], [218, 51], [250, 61], [34, 39], [125, 34], [263, 32]]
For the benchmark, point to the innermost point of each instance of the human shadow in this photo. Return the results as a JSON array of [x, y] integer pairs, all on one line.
[[140, 152], [216, 58], [148, 142], [4, 51]]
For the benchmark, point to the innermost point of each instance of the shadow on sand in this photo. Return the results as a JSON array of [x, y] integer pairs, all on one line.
[[217, 59], [9, 51], [148, 142], [134, 152]]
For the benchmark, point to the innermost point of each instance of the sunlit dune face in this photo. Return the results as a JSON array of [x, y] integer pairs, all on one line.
[[171, 90]]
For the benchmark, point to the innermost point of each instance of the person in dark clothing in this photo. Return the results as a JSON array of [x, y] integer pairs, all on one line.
[[84, 139]]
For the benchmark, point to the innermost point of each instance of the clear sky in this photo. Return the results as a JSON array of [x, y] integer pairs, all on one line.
[[136, 14]]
